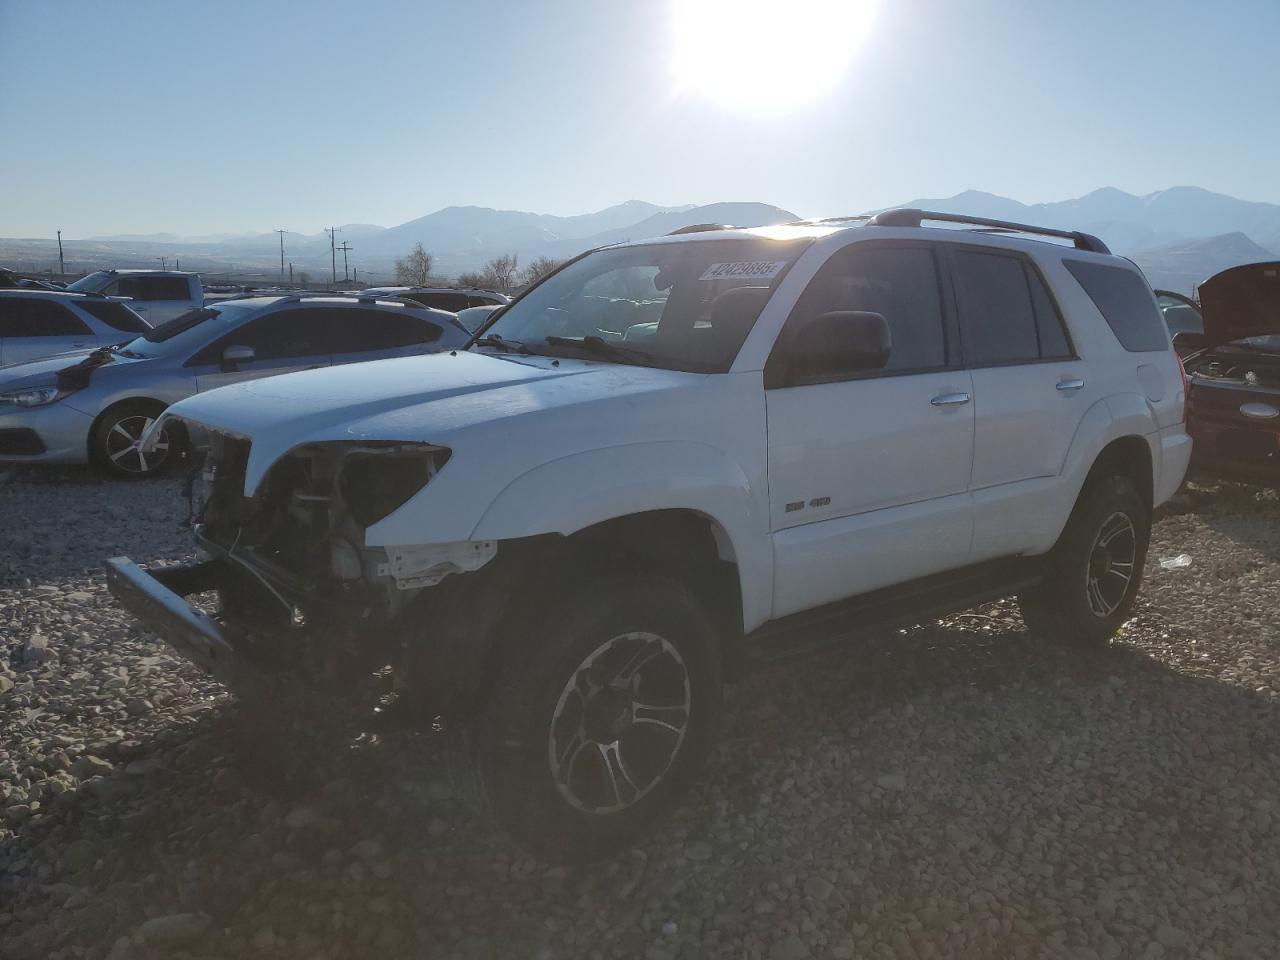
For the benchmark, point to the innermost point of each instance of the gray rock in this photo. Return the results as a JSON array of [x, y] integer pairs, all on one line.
[[698, 851], [892, 781], [87, 765], [818, 888], [789, 948], [174, 930]]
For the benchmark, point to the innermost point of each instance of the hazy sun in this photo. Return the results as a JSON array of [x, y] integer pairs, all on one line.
[[764, 57]]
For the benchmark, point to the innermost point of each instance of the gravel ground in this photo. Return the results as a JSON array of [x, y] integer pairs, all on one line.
[[959, 789]]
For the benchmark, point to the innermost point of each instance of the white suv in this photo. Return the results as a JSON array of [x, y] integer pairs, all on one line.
[[668, 458]]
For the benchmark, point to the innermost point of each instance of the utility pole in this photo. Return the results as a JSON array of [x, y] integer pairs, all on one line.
[[164, 262], [282, 233], [62, 266], [344, 248], [333, 251], [177, 263], [291, 272]]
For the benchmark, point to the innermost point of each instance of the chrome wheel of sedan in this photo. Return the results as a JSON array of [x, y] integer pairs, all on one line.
[[619, 723], [1111, 564], [122, 445]]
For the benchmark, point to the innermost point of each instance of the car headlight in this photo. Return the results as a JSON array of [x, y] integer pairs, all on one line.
[[33, 396]]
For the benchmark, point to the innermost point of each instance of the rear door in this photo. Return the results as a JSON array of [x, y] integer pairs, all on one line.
[[156, 299], [34, 327], [1030, 392], [869, 475], [360, 333], [283, 341]]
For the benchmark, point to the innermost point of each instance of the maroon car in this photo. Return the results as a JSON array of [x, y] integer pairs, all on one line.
[[1230, 346]]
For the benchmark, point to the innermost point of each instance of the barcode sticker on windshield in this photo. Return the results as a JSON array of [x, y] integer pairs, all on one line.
[[744, 270]]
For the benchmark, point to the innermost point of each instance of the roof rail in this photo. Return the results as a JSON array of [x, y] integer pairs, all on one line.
[[700, 228], [911, 217]]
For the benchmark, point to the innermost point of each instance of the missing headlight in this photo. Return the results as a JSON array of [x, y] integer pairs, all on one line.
[[375, 481]]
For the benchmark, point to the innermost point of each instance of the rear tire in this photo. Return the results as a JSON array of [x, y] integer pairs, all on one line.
[[113, 442], [1095, 569], [598, 724]]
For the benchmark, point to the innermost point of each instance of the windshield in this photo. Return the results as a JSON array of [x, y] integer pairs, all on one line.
[[681, 306], [188, 332], [93, 283]]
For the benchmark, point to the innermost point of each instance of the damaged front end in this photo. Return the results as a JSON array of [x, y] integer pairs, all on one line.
[[301, 598]]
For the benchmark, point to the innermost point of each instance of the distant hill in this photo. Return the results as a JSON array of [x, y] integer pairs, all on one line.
[[1181, 266], [1183, 234]]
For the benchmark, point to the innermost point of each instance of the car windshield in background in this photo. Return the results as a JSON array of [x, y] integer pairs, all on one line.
[[93, 283], [189, 331], [680, 306]]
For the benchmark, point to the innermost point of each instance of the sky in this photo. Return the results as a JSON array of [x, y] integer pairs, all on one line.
[[139, 116]]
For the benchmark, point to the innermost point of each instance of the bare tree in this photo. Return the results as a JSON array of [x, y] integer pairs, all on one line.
[[538, 268], [415, 269], [501, 274]]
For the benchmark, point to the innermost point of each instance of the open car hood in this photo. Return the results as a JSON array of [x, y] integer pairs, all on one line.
[[1241, 302]]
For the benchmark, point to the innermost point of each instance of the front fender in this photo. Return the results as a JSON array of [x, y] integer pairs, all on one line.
[[578, 491]]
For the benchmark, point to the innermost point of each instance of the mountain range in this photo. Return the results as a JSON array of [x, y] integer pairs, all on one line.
[[1179, 236]]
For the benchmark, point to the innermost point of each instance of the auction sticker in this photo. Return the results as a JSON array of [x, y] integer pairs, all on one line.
[[744, 270]]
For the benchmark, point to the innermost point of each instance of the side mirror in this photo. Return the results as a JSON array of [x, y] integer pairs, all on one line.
[[234, 355], [838, 344]]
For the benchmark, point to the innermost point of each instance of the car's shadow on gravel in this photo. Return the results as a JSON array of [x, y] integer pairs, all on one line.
[[917, 775]]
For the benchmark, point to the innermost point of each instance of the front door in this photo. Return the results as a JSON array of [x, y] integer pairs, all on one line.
[[283, 341], [869, 475]]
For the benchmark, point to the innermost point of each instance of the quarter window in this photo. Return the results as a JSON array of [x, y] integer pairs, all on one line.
[[900, 283], [359, 331], [34, 317], [1125, 302]]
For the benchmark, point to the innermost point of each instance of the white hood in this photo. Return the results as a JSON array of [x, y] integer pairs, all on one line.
[[431, 399]]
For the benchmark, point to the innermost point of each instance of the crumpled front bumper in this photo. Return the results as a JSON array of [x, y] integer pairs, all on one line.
[[156, 598]]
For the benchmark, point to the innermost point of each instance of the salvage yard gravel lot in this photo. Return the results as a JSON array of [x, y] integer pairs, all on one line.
[[958, 789]]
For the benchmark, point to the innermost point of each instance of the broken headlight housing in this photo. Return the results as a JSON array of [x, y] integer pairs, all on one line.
[[376, 479]]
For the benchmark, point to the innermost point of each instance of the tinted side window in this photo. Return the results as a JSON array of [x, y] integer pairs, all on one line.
[[453, 302], [900, 283], [38, 318], [995, 308], [153, 288], [357, 331], [1125, 302], [477, 301], [283, 335], [115, 315]]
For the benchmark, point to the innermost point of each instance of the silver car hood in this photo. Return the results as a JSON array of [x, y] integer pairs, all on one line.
[[46, 370]]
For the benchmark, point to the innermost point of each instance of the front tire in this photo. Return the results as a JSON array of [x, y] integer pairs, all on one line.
[[1095, 569], [598, 724], [114, 441]]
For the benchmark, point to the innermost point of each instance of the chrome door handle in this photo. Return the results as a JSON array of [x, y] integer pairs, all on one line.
[[1073, 384], [949, 399]]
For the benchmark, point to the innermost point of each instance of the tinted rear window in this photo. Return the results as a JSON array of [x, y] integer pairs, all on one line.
[[154, 288], [115, 315], [1125, 302]]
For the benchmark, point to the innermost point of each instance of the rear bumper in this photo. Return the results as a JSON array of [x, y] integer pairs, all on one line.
[[190, 631], [1175, 456]]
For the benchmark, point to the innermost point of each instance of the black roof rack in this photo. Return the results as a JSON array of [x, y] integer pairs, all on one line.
[[911, 217]]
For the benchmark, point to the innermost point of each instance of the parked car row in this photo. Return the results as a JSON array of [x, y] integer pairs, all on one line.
[[95, 404]]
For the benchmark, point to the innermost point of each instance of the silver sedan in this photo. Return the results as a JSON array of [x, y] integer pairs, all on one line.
[[94, 405]]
